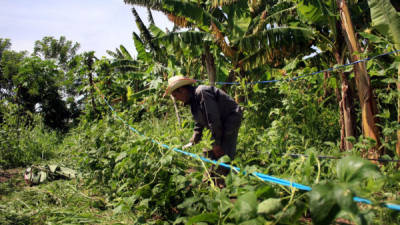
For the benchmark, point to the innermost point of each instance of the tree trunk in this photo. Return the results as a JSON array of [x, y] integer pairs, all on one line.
[[89, 63], [211, 71], [346, 108], [398, 116], [326, 76], [89, 60], [341, 118], [367, 102], [346, 115], [92, 91], [176, 110]]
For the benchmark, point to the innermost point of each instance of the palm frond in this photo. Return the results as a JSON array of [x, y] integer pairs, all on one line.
[[259, 58], [219, 15], [192, 12], [182, 13], [150, 16], [280, 13], [219, 3], [152, 4], [117, 54], [270, 58], [156, 31], [189, 37], [140, 48], [272, 46], [144, 32], [220, 39], [317, 11], [179, 21], [125, 64], [125, 52], [277, 14], [277, 38], [257, 7], [386, 20], [320, 58], [262, 22]]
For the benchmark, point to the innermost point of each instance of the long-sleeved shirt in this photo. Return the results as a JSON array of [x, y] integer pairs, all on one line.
[[210, 106]]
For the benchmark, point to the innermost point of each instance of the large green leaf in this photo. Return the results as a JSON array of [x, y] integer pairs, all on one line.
[[192, 12], [140, 48], [277, 37], [128, 64], [204, 217], [216, 3], [323, 204], [245, 207], [117, 54], [240, 27], [355, 170], [145, 34], [124, 51], [188, 37], [385, 19], [153, 4], [315, 11], [156, 31], [329, 200], [269, 206], [292, 214]]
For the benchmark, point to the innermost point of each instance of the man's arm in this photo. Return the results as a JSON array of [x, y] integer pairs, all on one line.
[[197, 133]]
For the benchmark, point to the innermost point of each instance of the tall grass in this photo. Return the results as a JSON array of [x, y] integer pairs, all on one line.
[[24, 139]]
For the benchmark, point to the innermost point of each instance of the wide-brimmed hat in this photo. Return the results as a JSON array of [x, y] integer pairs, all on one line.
[[176, 82]]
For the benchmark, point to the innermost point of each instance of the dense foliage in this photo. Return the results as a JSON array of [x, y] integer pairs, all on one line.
[[54, 108]]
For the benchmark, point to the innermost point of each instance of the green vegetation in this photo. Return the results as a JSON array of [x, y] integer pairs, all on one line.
[[52, 111]]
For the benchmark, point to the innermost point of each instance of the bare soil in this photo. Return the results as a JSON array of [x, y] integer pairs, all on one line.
[[7, 174]]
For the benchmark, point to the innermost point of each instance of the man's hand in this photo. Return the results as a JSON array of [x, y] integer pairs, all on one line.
[[218, 152], [188, 145]]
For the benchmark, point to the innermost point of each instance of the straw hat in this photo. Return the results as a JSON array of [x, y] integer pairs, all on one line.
[[176, 82]]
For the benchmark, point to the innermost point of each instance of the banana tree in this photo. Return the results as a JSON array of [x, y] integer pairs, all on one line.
[[89, 60], [246, 32], [158, 54], [149, 60], [386, 20], [153, 56], [367, 101], [322, 15], [332, 37]]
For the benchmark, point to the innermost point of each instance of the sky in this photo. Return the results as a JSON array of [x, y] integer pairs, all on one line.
[[98, 25]]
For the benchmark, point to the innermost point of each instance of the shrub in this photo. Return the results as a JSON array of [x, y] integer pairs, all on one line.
[[24, 141]]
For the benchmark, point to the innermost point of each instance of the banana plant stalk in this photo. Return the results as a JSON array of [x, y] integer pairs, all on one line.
[[398, 115], [209, 60], [367, 103]]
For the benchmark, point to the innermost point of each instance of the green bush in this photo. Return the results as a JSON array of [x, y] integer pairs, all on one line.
[[23, 140]]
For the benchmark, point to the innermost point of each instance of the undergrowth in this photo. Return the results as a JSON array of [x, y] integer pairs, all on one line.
[[58, 202], [24, 139], [127, 178]]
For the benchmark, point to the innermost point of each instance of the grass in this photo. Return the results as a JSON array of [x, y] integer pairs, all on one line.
[[140, 185], [57, 202]]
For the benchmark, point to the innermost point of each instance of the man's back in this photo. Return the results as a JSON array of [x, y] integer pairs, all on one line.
[[225, 105]]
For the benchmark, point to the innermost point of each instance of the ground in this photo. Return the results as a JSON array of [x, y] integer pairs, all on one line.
[[61, 202], [56, 202], [5, 175]]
